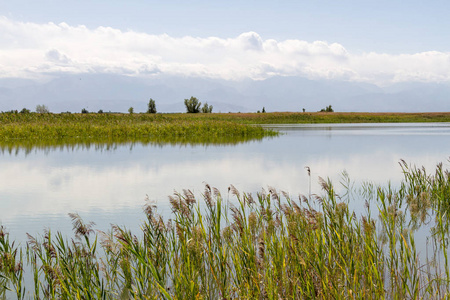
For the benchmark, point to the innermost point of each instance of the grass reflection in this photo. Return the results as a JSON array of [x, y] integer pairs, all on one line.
[[16, 146]]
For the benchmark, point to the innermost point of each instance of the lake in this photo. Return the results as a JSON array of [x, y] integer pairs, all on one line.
[[38, 188]]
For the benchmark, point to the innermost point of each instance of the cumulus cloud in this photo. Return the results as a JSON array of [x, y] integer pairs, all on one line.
[[57, 57], [35, 50]]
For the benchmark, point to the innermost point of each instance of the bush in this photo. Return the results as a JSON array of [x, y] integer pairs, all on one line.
[[192, 105], [327, 109], [151, 106], [84, 111], [207, 108], [42, 109]]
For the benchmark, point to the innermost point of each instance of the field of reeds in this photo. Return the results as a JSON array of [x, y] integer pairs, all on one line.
[[131, 127], [244, 246], [335, 117], [188, 128]]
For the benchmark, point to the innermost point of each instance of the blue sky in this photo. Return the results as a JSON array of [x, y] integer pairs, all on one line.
[[380, 42], [382, 26]]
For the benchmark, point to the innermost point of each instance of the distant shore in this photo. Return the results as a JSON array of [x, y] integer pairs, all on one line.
[[173, 126], [339, 117]]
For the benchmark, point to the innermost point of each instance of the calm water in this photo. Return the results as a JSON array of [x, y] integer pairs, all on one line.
[[39, 188]]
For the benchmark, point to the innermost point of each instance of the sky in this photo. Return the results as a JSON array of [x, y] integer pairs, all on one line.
[[379, 42]]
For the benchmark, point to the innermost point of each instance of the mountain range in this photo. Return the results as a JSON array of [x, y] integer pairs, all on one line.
[[117, 93]]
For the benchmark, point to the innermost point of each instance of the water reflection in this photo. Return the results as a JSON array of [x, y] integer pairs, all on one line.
[[14, 147], [108, 182]]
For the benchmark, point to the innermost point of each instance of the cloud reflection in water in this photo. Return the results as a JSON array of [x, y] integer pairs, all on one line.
[[39, 186]]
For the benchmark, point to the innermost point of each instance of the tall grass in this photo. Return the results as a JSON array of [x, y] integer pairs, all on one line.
[[150, 127], [196, 127], [245, 246], [11, 267], [335, 117]]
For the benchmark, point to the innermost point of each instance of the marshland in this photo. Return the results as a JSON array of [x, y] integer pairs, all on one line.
[[301, 209]]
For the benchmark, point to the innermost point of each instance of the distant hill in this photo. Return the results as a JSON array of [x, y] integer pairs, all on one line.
[[118, 93]]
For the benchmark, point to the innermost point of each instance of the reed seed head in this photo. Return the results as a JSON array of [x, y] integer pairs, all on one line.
[[234, 191]]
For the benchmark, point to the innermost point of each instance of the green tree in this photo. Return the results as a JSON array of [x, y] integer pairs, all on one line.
[[151, 106], [84, 111], [207, 108], [42, 109], [25, 111], [263, 110], [327, 109], [131, 110], [192, 105]]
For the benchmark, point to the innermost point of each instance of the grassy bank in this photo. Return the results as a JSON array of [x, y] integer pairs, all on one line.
[[131, 127], [243, 246], [335, 117], [185, 127]]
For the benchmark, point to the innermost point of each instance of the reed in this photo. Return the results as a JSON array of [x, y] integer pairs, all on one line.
[[11, 267], [148, 127], [335, 117], [245, 246], [188, 127]]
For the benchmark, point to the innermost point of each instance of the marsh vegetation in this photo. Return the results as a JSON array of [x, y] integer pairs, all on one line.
[[155, 127], [218, 128], [233, 245], [267, 245]]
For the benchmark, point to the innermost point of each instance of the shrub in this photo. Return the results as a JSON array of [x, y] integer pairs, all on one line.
[[151, 106], [327, 109], [207, 108], [192, 105], [42, 109]]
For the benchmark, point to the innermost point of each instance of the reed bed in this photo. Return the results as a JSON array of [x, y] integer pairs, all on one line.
[[154, 127], [49, 126], [245, 246], [336, 117]]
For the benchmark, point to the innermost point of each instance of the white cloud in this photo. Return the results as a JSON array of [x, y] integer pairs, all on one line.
[[35, 50], [51, 190], [57, 57], [44, 189]]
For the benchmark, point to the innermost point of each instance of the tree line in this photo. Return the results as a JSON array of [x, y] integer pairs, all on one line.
[[192, 106]]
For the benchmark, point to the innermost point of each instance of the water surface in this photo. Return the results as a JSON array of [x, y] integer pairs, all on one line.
[[109, 184]]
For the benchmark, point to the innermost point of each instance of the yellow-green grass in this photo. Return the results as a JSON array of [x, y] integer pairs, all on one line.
[[335, 117], [145, 127], [183, 128], [244, 246]]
